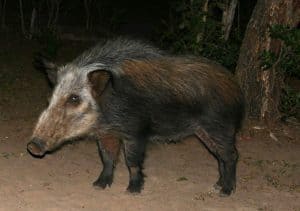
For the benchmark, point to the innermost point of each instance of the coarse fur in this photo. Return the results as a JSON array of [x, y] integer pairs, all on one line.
[[131, 92]]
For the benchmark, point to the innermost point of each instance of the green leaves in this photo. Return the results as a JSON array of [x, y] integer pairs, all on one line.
[[289, 60], [191, 29], [290, 102]]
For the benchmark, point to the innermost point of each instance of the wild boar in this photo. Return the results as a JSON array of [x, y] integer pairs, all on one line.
[[126, 92]]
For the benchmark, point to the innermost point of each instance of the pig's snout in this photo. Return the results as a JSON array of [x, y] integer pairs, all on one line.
[[36, 147]]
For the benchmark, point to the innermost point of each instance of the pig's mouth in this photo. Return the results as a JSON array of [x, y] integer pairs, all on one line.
[[37, 148]]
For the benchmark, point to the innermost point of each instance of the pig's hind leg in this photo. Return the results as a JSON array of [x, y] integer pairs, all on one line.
[[223, 148], [109, 148]]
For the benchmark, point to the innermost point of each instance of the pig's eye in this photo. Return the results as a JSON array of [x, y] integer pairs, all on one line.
[[74, 99]]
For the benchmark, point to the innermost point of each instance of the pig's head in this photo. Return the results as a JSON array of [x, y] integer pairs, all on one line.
[[72, 110]]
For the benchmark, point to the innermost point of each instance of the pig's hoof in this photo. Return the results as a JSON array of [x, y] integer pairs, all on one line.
[[217, 186], [103, 181], [135, 186], [225, 192]]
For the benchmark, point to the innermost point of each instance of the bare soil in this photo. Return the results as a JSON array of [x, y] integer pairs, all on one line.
[[179, 176]]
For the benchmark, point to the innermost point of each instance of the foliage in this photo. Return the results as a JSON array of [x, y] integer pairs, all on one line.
[[191, 29], [290, 55], [287, 63], [290, 102]]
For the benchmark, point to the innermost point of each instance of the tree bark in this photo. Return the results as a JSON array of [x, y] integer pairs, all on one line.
[[205, 10], [58, 2], [32, 22], [200, 35], [87, 6], [22, 17], [262, 87], [51, 9], [3, 13], [228, 17]]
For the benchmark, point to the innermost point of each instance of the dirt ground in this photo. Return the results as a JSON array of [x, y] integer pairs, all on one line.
[[179, 176]]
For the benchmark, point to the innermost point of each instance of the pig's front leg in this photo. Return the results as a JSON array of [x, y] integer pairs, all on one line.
[[134, 151], [109, 147]]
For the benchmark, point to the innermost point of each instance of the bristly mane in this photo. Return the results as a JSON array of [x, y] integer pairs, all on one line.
[[110, 54]]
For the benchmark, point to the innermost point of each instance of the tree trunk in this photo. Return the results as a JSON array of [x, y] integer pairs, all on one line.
[[200, 35], [32, 22], [51, 9], [227, 19], [58, 2], [87, 6], [205, 10], [22, 17], [262, 87], [3, 13]]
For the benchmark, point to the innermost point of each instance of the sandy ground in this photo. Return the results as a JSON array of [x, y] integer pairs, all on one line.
[[179, 176]]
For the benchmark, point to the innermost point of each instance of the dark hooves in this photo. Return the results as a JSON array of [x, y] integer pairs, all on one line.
[[135, 186], [103, 181], [225, 192], [217, 186]]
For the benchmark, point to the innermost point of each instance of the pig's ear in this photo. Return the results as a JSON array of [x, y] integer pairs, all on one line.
[[42, 63], [98, 80]]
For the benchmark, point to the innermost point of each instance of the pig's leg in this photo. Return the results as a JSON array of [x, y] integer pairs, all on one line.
[[229, 157], [134, 155], [109, 148], [221, 168], [224, 150]]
